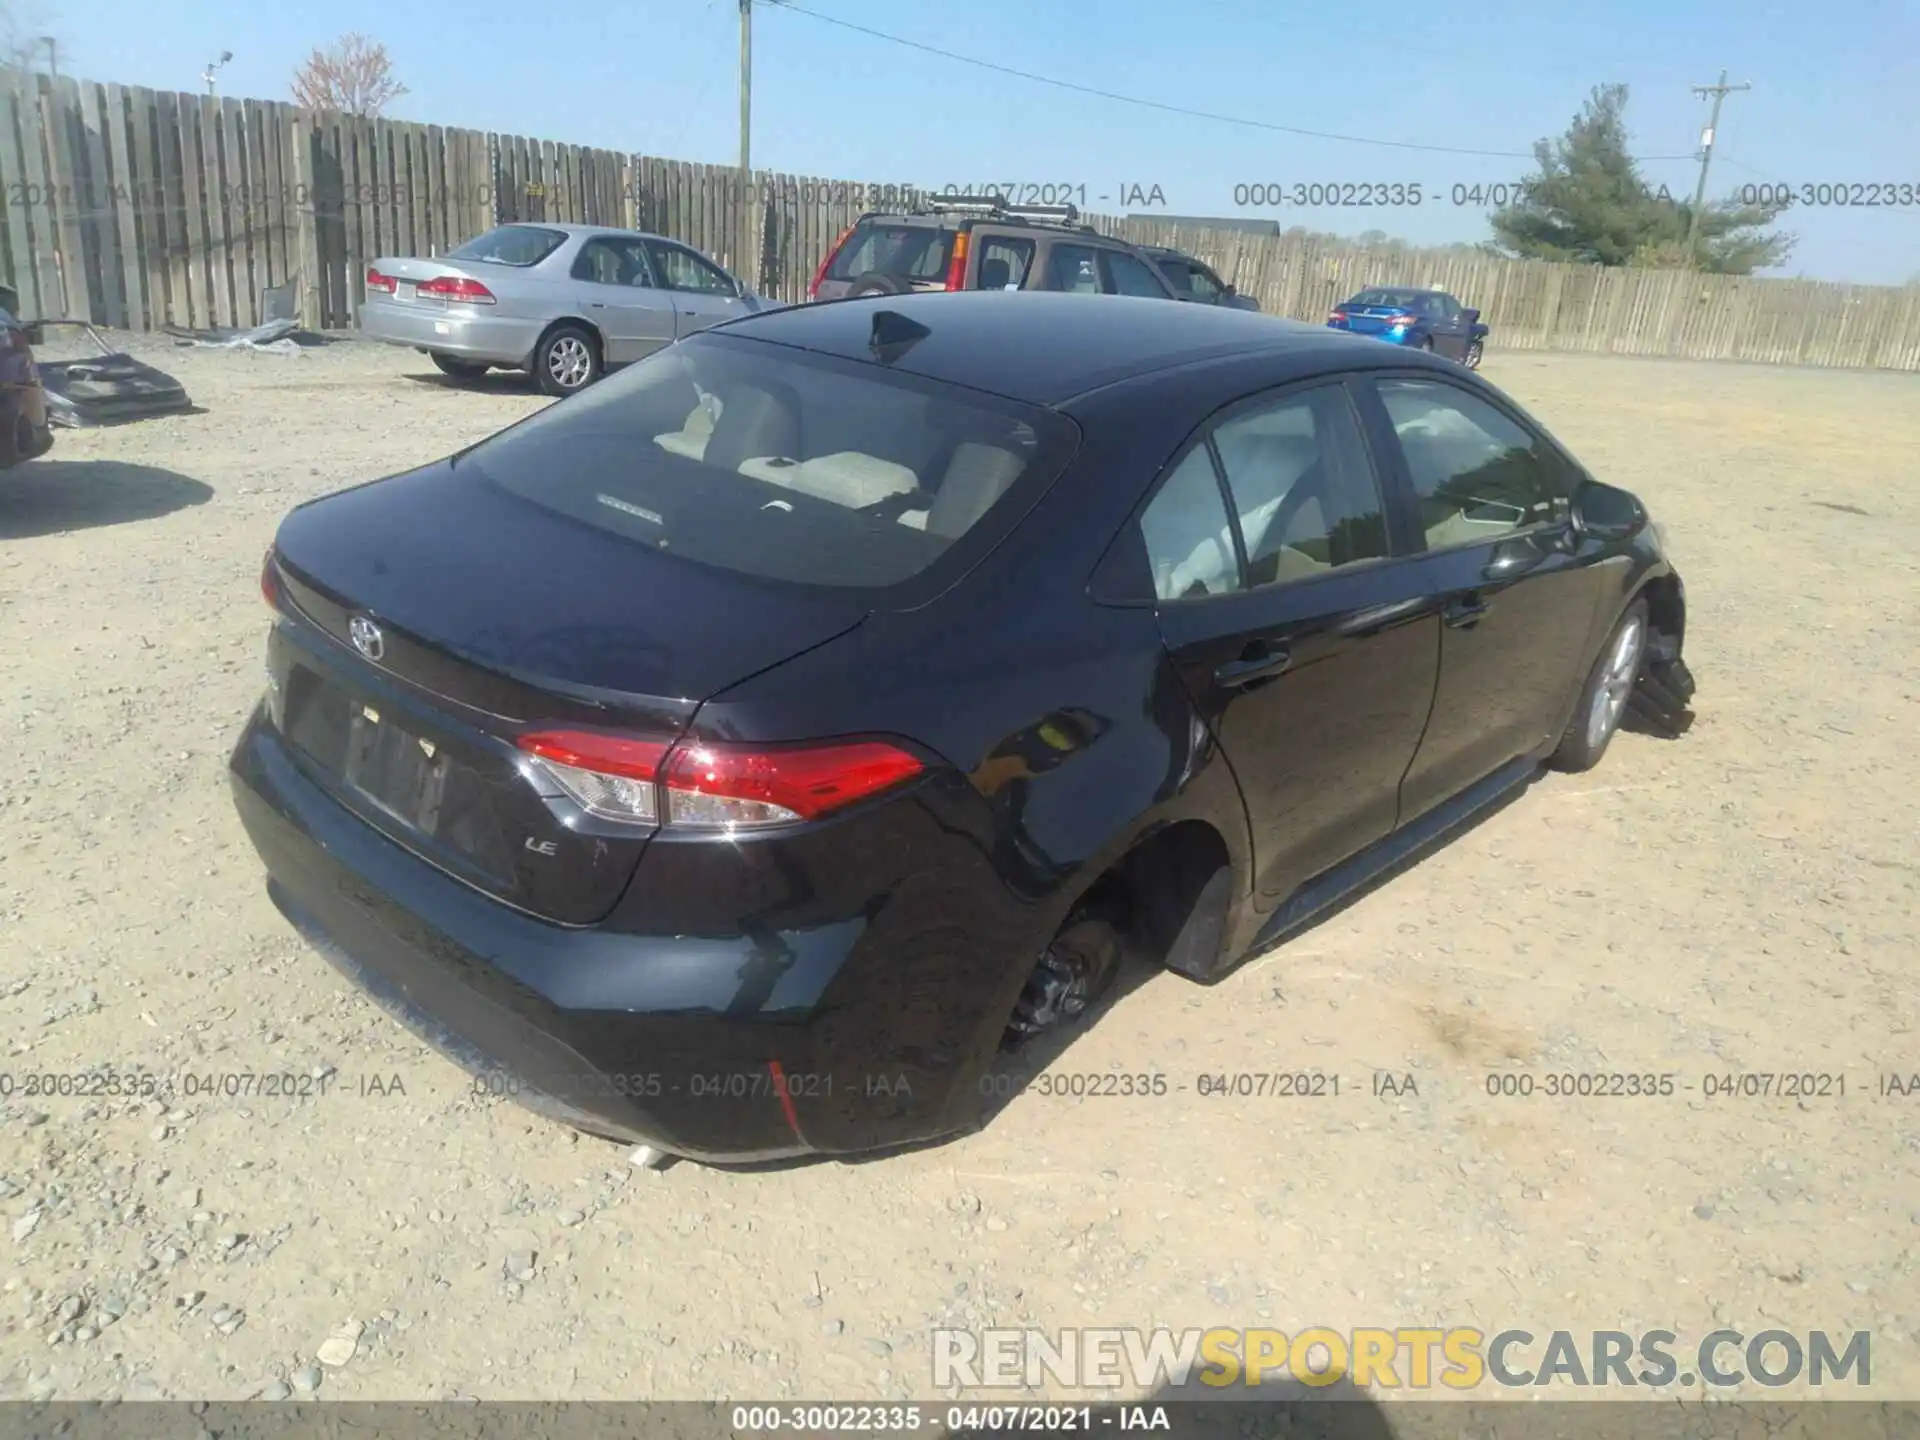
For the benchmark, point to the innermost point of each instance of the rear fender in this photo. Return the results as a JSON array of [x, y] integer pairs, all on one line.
[[599, 336]]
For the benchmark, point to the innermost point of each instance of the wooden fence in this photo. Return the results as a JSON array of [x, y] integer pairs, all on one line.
[[140, 208]]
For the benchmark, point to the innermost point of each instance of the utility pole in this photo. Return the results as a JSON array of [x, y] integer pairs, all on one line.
[[214, 65], [746, 89], [1718, 92], [53, 56], [745, 241]]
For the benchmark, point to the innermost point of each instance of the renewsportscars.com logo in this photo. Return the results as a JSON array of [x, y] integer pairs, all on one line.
[[1402, 1358]]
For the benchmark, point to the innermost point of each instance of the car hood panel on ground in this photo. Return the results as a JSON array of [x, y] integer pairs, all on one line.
[[504, 584]]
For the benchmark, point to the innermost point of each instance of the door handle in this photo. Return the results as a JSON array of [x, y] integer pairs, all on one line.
[[1259, 662], [596, 304], [1379, 617], [1465, 612]]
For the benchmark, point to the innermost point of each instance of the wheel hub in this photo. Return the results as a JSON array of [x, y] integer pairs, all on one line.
[[1069, 976], [1056, 993]]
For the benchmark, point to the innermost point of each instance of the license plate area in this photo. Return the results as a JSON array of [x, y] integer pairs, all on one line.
[[405, 290], [400, 772]]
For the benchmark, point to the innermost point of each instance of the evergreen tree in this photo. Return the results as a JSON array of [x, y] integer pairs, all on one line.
[[1588, 204]]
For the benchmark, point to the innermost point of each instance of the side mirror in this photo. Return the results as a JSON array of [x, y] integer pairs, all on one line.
[[1606, 512], [1472, 317]]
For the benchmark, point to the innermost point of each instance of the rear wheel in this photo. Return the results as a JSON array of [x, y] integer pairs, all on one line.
[[460, 369], [1603, 699], [1071, 976], [1426, 344], [1472, 358], [566, 360]]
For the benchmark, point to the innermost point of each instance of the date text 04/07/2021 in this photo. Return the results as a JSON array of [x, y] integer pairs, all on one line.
[[1392, 194], [909, 1417]]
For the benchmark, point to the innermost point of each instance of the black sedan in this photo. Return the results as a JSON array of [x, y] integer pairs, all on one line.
[[736, 756]]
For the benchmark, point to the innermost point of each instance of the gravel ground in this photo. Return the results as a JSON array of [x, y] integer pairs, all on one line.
[[1740, 900]]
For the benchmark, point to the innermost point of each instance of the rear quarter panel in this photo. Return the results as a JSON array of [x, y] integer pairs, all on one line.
[[992, 674]]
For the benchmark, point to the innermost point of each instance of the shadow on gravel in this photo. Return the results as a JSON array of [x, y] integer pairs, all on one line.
[[47, 497], [1393, 872], [494, 382], [1671, 727], [1013, 1073]]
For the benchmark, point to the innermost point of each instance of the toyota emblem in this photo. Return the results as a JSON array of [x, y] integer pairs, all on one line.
[[366, 637]]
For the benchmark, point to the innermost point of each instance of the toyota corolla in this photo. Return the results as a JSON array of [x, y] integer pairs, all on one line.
[[734, 758]]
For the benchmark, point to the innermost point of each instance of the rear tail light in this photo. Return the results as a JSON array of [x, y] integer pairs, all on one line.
[[457, 289], [720, 788], [383, 283], [609, 776], [957, 267], [269, 582], [820, 275], [1338, 317], [1401, 321]]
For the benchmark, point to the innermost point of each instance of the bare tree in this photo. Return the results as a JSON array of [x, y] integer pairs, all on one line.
[[20, 30], [353, 76]]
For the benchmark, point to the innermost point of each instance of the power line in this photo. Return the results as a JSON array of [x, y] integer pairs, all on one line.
[[1159, 105]]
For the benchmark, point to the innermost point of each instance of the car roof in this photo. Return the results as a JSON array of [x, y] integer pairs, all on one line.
[[574, 231], [1403, 289], [1044, 347]]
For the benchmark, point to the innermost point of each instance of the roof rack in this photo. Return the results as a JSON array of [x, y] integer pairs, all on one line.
[[996, 206]]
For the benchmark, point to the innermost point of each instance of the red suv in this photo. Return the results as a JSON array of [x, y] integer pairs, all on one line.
[[979, 243]]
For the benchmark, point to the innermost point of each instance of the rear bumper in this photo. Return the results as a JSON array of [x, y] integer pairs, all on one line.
[[1392, 337], [831, 1040], [497, 340]]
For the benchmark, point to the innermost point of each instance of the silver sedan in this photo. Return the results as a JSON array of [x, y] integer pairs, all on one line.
[[566, 302]]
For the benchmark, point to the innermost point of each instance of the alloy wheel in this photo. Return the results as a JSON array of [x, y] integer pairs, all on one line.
[[570, 362], [1616, 683]]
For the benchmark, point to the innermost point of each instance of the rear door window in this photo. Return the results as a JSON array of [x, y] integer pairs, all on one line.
[[1074, 268], [784, 464], [610, 260], [911, 252], [1005, 262], [1127, 276]]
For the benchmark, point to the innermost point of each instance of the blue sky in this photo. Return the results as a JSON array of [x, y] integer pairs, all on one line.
[[1834, 98]]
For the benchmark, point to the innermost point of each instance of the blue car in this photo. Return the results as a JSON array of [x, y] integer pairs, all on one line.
[[1424, 319]]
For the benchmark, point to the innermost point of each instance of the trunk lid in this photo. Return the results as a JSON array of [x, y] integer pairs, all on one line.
[[1370, 319], [495, 617]]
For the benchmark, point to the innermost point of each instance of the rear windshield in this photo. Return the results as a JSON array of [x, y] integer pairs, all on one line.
[[511, 245], [781, 463], [912, 252], [1381, 299]]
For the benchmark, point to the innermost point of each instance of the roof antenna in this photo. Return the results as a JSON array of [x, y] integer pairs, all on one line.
[[893, 335]]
